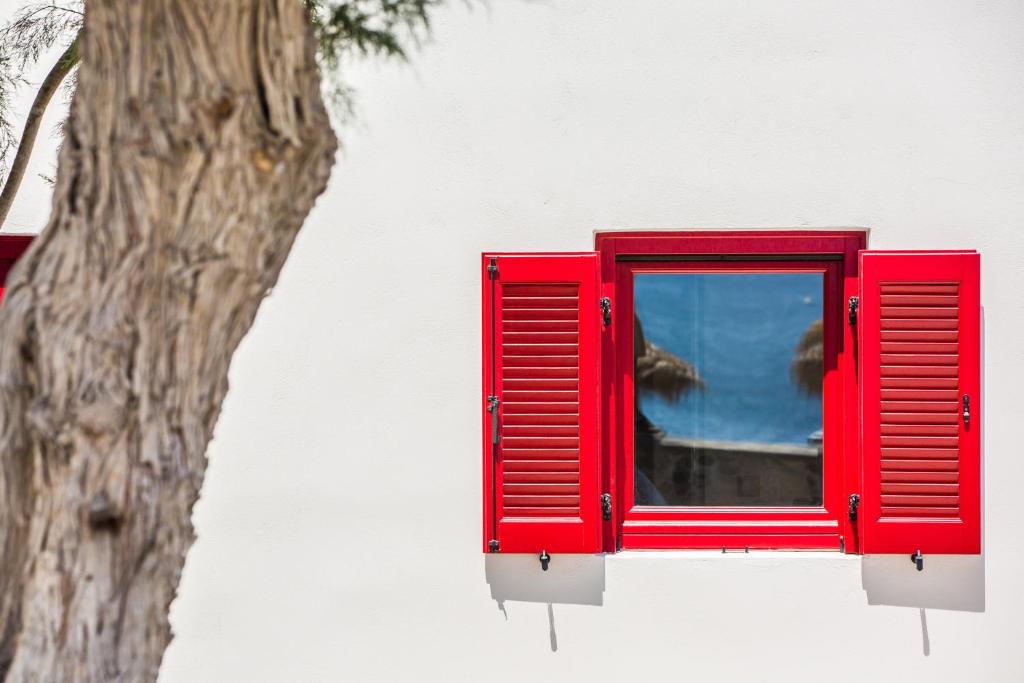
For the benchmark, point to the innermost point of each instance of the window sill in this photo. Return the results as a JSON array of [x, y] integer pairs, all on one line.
[[732, 555]]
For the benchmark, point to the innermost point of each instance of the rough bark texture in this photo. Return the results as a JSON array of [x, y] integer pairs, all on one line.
[[196, 146], [58, 73]]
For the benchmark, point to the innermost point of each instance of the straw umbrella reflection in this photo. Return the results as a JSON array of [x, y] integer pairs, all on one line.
[[806, 369], [664, 374], [661, 372]]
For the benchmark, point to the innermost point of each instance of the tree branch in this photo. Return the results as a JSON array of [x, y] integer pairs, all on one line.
[[65, 63]]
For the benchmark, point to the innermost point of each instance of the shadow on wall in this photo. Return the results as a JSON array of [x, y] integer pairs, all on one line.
[[570, 579], [953, 582]]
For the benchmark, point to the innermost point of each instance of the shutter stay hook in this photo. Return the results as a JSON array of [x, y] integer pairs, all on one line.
[[545, 559], [918, 559]]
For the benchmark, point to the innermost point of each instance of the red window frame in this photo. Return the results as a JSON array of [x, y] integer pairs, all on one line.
[[834, 253]]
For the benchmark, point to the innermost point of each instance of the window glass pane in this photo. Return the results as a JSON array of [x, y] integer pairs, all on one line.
[[728, 377]]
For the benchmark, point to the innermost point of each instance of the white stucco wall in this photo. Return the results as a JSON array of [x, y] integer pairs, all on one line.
[[339, 526]]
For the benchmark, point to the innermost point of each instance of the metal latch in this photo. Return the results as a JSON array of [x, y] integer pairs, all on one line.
[[606, 506], [853, 305], [606, 310], [492, 407], [854, 504], [545, 559], [918, 559], [967, 410]]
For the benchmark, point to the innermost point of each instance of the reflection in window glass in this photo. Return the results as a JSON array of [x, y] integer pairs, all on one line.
[[728, 378]]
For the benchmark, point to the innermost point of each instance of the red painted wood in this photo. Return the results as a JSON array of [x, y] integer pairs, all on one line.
[[732, 527], [841, 434], [11, 249], [921, 487], [894, 466], [552, 315], [542, 482], [540, 464], [937, 296], [555, 419], [950, 418], [541, 408], [950, 442], [540, 326], [934, 360], [917, 476], [917, 347], [919, 406], [910, 335], [570, 456], [734, 542], [538, 362], [541, 373], [935, 512], [610, 415], [659, 243], [892, 370], [571, 397], [927, 289], [927, 429], [541, 476], [541, 384], [900, 382], [940, 395], [919, 354], [13, 246], [540, 430]]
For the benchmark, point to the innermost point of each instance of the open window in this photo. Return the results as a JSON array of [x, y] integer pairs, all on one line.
[[731, 390]]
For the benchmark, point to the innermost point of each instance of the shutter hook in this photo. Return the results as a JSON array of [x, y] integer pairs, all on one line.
[[545, 559], [918, 559]]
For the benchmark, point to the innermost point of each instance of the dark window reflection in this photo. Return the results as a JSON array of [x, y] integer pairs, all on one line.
[[728, 377]]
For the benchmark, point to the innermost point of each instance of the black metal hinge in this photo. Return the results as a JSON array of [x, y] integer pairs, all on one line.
[[854, 304], [606, 310], [606, 506], [492, 269]]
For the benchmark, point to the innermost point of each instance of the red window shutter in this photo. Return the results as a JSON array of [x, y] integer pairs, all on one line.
[[920, 379], [542, 323], [11, 249]]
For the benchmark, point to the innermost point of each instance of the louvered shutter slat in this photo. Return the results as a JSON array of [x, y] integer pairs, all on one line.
[[541, 362], [919, 356]]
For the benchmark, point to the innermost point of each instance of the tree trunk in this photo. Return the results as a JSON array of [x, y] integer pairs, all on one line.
[[196, 146], [49, 86]]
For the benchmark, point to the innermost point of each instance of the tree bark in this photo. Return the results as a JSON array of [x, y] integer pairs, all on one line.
[[49, 86], [197, 143]]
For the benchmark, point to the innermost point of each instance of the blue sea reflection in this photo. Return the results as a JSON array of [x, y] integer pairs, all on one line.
[[740, 332]]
